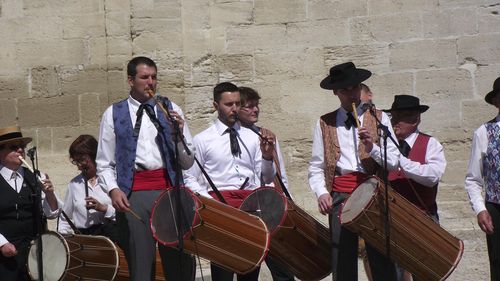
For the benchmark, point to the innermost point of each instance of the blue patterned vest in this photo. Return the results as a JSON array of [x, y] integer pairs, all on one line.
[[126, 144], [491, 163]]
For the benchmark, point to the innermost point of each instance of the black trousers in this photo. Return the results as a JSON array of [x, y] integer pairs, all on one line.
[[493, 241], [14, 268], [279, 272], [345, 251]]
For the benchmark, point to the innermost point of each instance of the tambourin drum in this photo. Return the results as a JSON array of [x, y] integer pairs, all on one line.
[[417, 243], [74, 257], [298, 240], [210, 229]]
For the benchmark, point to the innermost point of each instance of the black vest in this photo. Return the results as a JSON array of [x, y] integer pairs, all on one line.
[[17, 210]]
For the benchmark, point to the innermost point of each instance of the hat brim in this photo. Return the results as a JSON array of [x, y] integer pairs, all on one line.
[[361, 75], [420, 108], [23, 140], [489, 96]]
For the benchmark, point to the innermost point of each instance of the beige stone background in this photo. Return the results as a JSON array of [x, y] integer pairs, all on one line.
[[62, 64]]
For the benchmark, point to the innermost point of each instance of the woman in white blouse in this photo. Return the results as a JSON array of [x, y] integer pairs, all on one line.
[[86, 204]]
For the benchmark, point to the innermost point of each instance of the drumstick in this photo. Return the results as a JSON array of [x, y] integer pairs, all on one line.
[[136, 215], [355, 114]]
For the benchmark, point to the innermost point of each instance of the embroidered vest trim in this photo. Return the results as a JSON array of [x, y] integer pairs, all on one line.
[[491, 163]]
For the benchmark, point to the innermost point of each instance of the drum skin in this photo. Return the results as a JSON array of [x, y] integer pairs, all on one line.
[[298, 241], [217, 232], [418, 244], [75, 257]]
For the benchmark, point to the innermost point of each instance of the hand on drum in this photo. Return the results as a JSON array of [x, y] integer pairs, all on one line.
[[119, 200], [92, 203], [267, 143], [8, 250], [485, 223], [366, 138], [325, 203]]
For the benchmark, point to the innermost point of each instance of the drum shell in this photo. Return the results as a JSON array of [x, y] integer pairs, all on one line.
[[87, 257], [418, 244], [220, 233], [299, 241]]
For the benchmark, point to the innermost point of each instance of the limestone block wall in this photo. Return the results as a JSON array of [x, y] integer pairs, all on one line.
[[63, 64]]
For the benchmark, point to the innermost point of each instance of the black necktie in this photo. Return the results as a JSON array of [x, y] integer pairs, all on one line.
[[151, 113], [404, 147], [233, 137], [350, 121]]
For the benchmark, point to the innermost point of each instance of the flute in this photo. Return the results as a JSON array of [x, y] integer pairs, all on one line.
[[30, 168], [355, 115]]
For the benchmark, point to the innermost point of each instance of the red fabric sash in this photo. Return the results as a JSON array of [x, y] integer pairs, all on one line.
[[234, 198], [150, 180], [348, 182]]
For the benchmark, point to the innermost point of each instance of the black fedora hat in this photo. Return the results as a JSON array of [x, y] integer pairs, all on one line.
[[496, 88], [407, 102], [343, 76]]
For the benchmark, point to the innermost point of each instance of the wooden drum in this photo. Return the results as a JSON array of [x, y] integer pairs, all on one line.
[[417, 243], [298, 240], [220, 233]]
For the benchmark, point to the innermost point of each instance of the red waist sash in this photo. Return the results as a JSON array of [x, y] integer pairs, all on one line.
[[233, 198], [150, 180], [348, 182]]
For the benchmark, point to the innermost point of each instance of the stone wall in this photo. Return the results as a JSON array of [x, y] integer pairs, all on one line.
[[63, 64]]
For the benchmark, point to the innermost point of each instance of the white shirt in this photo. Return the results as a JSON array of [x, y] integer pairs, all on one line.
[[427, 174], [74, 206], [349, 160], [213, 151], [474, 181], [148, 154], [18, 181]]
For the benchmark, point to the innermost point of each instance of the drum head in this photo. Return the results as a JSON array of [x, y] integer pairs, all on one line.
[[54, 255], [359, 200], [164, 218], [268, 204]]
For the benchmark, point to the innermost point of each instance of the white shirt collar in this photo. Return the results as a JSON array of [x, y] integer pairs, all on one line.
[[221, 127]]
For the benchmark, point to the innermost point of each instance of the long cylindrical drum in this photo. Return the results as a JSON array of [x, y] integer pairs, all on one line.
[[220, 233], [298, 241], [417, 243]]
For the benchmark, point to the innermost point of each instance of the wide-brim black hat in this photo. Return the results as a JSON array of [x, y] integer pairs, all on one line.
[[344, 75], [496, 88], [407, 102], [13, 134]]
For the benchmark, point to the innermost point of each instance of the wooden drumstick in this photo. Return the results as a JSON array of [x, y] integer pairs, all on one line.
[[355, 114], [136, 215]]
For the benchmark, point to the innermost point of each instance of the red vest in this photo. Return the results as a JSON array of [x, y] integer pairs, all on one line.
[[426, 199]]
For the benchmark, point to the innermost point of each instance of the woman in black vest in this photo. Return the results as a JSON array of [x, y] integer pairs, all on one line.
[[17, 207]]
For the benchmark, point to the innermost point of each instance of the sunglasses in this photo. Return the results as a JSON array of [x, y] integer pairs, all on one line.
[[14, 147]]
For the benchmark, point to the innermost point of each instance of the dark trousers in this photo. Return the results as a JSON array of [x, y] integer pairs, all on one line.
[[14, 268], [140, 246], [222, 274], [279, 272], [345, 251], [493, 241], [108, 229]]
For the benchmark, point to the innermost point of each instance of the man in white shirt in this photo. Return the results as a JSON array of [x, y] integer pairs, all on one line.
[[249, 116], [234, 157], [136, 161], [421, 163], [483, 172], [344, 156], [18, 214]]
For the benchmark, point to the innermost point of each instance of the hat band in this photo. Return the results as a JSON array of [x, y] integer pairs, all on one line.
[[11, 136]]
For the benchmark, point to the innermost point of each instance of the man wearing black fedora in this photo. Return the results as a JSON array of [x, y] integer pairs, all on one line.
[[421, 163], [17, 207], [483, 172], [345, 152]]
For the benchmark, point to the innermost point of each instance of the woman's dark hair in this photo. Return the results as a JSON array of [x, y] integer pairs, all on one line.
[[83, 145]]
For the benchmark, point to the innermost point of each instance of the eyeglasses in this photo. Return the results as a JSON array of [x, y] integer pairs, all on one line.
[[250, 106], [14, 147], [79, 160]]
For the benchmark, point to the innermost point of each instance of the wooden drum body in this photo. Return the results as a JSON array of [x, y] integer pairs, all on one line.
[[298, 240], [220, 233], [74, 257], [417, 243]]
